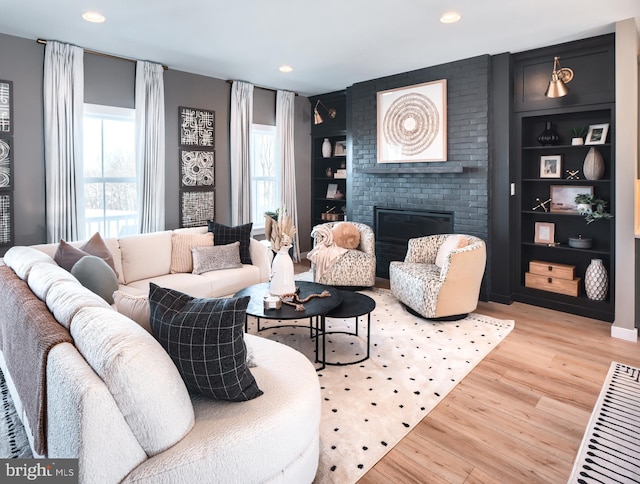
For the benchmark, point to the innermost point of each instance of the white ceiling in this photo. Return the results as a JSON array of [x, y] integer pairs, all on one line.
[[331, 44]]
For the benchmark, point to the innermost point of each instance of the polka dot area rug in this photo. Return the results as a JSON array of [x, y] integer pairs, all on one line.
[[369, 407]]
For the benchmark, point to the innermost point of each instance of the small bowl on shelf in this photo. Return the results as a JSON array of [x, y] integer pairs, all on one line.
[[579, 242]]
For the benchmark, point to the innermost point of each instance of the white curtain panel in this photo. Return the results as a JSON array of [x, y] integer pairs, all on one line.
[[150, 146], [285, 155], [240, 151], [63, 94]]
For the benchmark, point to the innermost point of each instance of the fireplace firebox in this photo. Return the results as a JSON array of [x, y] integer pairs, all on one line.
[[394, 227]]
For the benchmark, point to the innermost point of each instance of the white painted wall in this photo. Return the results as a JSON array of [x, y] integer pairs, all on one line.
[[627, 50]]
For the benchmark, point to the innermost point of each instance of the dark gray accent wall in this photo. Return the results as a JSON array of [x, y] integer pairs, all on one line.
[[302, 141], [111, 82], [21, 61], [195, 91], [467, 193]]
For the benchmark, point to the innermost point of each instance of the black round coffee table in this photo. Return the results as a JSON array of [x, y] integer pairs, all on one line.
[[315, 309], [354, 305]]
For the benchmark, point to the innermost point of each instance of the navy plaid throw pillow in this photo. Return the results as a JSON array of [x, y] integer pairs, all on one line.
[[224, 235], [205, 339]]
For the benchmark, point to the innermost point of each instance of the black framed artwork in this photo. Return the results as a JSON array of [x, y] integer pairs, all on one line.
[[6, 107], [6, 163], [196, 207], [197, 127], [6, 219], [197, 168]]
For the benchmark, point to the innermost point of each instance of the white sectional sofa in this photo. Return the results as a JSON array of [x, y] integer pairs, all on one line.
[[140, 259], [112, 396]]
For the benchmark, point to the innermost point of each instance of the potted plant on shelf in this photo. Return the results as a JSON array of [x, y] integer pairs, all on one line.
[[592, 208], [577, 135]]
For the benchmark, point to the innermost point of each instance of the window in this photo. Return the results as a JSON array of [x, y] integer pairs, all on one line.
[[265, 193], [109, 167]]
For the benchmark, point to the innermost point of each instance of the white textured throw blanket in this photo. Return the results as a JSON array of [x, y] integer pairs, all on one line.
[[325, 252]]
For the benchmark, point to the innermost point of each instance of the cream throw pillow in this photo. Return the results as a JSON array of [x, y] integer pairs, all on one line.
[[452, 243], [134, 307], [181, 245]]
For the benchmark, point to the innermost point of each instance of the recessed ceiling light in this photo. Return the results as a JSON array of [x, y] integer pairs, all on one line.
[[94, 17], [450, 17], [285, 68]]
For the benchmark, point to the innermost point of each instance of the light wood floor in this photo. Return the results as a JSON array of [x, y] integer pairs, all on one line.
[[520, 415]]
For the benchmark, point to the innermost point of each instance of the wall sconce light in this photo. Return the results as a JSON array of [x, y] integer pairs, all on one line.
[[317, 119], [559, 78]]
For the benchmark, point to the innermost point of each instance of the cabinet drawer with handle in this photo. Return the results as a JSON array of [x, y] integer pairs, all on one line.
[[561, 271], [552, 284]]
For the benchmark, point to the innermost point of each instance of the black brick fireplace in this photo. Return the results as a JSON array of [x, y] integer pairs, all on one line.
[[437, 188], [394, 227]]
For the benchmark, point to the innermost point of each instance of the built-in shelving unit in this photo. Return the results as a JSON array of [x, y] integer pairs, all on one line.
[[325, 172], [534, 188]]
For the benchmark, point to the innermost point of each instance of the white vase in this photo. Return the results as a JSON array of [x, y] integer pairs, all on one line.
[[593, 167], [326, 148], [596, 280], [577, 141], [282, 273]]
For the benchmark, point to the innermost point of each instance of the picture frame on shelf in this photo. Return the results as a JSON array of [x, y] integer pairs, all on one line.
[[563, 197], [597, 134], [551, 166], [544, 233], [340, 148], [332, 189]]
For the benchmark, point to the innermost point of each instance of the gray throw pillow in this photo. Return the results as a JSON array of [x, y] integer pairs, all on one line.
[[96, 275], [216, 258], [205, 339], [67, 255]]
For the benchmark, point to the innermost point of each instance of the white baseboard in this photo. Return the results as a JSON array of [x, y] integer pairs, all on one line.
[[624, 333]]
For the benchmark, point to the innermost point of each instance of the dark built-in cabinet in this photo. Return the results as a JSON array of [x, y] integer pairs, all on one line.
[[329, 195], [591, 101], [536, 188]]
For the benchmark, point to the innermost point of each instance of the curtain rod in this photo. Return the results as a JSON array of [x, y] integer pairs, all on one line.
[[231, 81], [103, 54]]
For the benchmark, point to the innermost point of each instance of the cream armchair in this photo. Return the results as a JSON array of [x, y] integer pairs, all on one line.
[[439, 279], [352, 268]]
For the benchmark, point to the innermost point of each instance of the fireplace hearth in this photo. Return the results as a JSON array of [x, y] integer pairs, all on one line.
[[394, 227]]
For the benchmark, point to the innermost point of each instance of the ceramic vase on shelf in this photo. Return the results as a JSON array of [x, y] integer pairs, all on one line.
[[326, 148], [593, 167], [596, 281], [282, 273], [548, 136]]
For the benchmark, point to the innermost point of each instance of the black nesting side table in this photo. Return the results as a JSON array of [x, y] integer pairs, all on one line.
[[354, 305]]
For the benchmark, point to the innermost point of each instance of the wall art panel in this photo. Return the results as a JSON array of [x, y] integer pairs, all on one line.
[[6, 107], [6, 219], [196, 207], [6, 165], [197, 168], [197, 127], [412, 123]]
